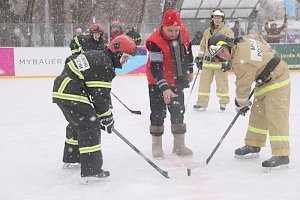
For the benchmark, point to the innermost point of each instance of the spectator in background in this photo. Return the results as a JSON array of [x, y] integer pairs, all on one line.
[[291, 38], [273, 33], [133, 34], [115, 29], [237, 30], [196, 40], [78, 32]]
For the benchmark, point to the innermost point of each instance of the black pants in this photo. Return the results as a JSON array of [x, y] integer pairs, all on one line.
[[159, 108], [84, 127]]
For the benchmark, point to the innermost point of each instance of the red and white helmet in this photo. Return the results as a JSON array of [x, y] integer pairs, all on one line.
[[123, 43], [96, 28]]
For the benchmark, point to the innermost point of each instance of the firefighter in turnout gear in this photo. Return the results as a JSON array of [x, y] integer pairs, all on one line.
[[169, 70], [212, 67], [93, 41], [254, 60], [82, 92]]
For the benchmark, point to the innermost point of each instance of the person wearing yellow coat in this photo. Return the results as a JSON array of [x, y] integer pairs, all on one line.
[[212, 67], [253, 60]]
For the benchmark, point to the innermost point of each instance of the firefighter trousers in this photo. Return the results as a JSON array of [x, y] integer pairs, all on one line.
[[270, 113], [83, 137], [206, 79]]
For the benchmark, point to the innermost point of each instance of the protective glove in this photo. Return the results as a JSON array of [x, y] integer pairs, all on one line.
[[199, 62], [225, 66], [242, 109], [107, 123]]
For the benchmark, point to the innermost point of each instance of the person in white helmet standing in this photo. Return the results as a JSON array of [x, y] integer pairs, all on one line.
[[212, 67]]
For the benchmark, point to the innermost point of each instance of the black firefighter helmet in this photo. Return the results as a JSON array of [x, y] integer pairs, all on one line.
[[216, 43]]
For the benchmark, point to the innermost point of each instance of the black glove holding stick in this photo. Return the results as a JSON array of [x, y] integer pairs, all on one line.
[[199, 62], [107, 123]]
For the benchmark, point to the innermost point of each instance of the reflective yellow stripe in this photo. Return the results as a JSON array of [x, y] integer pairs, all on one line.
[[71, 97], [79, 45], [212, 65], [279, 138], [75, 51], [203, 94], [257, 130], [107, 113], [221, 43], [90, 149], [63, 85], [272, 87], [98, 84], [71, 141], [222, 94], [75, 70]]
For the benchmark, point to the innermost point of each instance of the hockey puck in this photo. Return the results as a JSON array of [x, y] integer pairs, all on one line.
[[189, 171]]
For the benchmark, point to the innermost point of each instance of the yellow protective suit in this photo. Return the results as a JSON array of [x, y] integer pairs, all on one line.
[[270, 109], [211, 70]]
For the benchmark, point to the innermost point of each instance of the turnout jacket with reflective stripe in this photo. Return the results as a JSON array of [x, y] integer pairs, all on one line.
[[86, 79], [249, 58], [82, 43]]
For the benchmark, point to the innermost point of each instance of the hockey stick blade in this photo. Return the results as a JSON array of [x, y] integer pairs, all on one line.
[[132, 111], [193, 165], [162, 172], [136, 112]]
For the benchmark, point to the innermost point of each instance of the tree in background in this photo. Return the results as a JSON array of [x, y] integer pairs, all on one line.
[[57, 21], [7, 18]]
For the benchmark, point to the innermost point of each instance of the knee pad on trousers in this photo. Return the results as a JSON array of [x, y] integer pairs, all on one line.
[[156, 130], [178, 128]]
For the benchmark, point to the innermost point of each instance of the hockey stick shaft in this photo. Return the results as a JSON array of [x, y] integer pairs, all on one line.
[[162, 172], [226, 132], [190, 94], [201, 164], [132, 111]]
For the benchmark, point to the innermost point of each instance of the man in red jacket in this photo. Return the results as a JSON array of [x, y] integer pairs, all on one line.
[[169, 70]]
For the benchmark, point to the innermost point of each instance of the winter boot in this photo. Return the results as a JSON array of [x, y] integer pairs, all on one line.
[[199, 108], [247, 151], [156, 132], [157, 151], [179, 147], [276, 161], [85, 180]]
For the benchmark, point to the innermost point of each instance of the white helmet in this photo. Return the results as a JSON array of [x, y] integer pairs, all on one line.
[[218, 12]]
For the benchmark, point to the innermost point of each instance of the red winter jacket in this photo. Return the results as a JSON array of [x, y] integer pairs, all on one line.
[[168, 67]]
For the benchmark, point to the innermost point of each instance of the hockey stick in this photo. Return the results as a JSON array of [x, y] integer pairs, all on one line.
[[162, 172], [132, 111], [189, 97], [203, 164]]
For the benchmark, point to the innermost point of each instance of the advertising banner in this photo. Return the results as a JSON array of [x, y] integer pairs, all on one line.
[[290, 53], [7, 67], [40, 61], [49, 61]]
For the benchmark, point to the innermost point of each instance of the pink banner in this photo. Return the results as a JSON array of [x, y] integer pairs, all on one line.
[[7, 62]]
